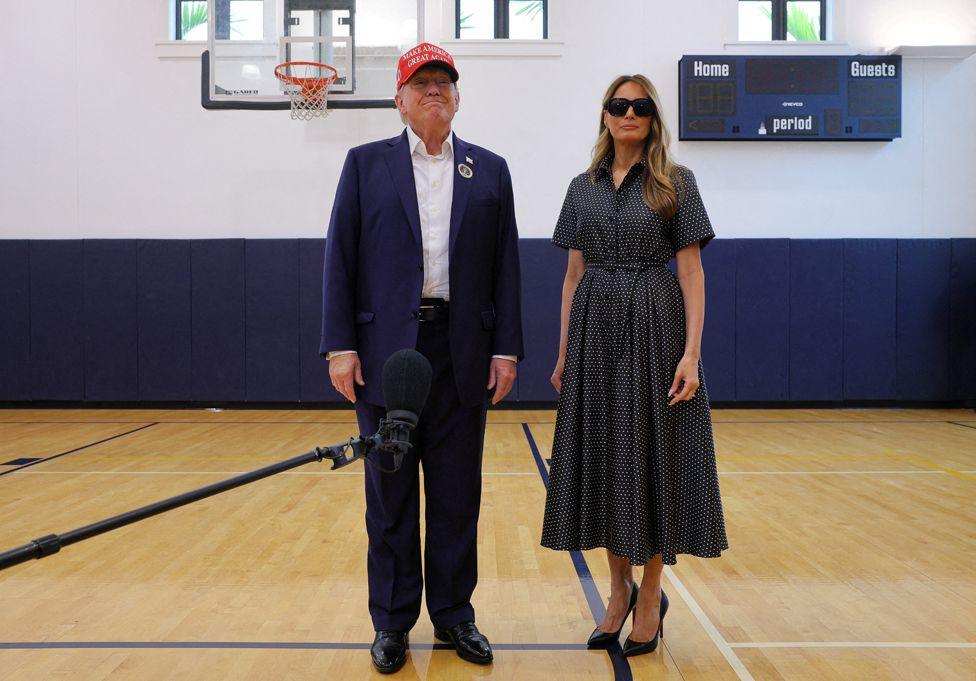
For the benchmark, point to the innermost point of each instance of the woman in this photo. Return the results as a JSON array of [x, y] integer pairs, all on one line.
[[633, 462]]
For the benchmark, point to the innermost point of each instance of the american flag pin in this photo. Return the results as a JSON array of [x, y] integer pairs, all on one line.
[[468, 159]]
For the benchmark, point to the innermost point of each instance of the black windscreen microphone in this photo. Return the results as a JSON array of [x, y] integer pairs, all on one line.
[[406, 383]]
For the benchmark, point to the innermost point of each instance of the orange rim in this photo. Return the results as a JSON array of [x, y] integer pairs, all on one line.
[[311, 86], [295, 80]]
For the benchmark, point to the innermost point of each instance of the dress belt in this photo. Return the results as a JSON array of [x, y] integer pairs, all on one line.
[[432, 310], [624, 266]]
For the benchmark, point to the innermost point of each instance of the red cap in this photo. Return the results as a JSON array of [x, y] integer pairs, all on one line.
[[420, 56]]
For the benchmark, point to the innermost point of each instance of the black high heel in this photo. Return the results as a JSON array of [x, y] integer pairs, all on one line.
[[604, 639], [632, 648]]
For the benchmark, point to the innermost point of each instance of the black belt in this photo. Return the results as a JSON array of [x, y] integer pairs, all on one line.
[[433, 310], [623, 266]]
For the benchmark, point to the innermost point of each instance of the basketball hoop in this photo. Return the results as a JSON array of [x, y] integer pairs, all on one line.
[[307, 85]]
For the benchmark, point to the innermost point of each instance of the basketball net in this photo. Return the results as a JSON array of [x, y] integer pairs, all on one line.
[[307, 86]]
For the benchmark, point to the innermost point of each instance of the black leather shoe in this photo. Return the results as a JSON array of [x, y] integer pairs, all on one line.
[[605, 639], [632, 648], [470, 644], [389, 651]]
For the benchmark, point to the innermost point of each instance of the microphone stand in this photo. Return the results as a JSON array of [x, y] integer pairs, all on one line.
[[393, 436]]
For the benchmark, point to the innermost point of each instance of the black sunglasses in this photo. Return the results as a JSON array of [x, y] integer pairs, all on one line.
[[618, 106]]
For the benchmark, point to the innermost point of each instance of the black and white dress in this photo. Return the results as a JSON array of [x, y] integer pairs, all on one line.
[[629, 472]]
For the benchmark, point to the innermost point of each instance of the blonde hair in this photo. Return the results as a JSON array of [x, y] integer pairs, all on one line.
[[660, 193]]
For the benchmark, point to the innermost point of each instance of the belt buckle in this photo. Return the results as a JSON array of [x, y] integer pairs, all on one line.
[[431, 312], [426, 313], [439, 305]]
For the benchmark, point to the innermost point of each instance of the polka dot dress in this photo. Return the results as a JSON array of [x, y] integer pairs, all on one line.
[[630, 473]]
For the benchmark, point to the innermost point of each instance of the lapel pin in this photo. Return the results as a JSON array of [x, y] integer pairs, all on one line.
[[465, 170], [468, 159]]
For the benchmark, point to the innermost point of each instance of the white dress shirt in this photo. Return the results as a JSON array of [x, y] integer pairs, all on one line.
[[433, 176]]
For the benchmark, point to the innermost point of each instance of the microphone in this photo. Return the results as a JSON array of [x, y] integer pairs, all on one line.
[[406, 384]]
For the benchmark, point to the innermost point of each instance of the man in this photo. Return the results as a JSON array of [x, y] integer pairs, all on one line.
[[422, 252]]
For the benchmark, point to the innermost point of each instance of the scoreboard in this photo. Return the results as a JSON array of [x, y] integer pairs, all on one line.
[[789, 98]]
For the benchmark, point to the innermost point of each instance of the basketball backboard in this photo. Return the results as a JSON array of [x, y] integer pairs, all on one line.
[[362, 39]]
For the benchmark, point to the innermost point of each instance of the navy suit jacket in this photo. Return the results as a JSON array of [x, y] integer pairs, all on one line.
[[374, 265]]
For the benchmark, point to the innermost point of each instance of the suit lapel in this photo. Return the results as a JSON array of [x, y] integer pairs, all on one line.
[[401, 168], [462, 188]]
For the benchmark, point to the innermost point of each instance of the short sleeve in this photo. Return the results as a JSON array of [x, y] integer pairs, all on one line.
[[566, 234], [690, 224]]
